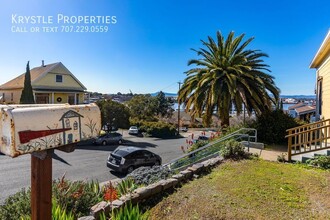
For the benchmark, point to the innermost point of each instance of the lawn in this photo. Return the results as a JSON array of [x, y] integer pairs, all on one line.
[[251, 189]]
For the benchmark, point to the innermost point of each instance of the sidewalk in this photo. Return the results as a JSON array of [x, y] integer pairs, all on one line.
[[268, 154], [271, 153]]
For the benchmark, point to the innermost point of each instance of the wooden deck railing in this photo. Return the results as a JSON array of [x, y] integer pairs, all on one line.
[[308, 138]]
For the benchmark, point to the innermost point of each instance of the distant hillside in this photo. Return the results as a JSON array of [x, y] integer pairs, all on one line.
[[167, 94], [298, 96]]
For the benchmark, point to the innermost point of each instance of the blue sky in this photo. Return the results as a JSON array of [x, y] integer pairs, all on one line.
[[148, 47]]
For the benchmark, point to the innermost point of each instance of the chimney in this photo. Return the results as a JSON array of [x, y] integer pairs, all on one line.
[[42, 63]]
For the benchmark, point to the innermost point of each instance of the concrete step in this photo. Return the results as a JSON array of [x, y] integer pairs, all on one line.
[[304, 157], [256, 145]]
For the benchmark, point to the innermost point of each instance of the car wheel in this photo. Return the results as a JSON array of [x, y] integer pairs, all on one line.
[[157, 163], [120, 141], [104, 143], [130, 169]]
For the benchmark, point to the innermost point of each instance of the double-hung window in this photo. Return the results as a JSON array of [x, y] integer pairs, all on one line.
[[59, 78]]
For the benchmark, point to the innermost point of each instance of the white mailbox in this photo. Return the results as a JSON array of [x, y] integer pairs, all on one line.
[[30, 128]]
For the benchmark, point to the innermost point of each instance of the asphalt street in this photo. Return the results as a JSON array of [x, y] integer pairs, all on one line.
[[87, 162]]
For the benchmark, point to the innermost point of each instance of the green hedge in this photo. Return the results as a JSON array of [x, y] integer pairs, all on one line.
[[272, 126], [158, 129], [155, 129]]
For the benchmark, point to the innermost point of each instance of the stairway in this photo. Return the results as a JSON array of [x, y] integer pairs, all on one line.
[[304, 157], [307, 140]]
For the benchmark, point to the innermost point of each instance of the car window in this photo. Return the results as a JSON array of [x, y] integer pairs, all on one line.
[[146, 154], [121, 153], [138, 155]]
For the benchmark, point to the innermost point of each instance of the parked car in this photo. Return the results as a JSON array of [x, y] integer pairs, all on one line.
[[109, 138], [201, 138], [126, 159], [184, 129], [133, 130]]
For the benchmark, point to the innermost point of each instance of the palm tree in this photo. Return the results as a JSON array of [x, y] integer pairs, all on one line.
[[227, 74]]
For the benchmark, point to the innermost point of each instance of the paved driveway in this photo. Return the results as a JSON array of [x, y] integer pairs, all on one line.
[[85, 163]]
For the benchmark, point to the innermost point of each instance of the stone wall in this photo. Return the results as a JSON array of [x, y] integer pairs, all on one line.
[[141, 194]]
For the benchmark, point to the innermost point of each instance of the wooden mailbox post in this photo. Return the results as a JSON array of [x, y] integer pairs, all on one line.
[[38, 130]]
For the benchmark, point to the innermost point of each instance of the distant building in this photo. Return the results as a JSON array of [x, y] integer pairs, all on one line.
[[51, 83], [302, 111], [292, 109], [321, 62]]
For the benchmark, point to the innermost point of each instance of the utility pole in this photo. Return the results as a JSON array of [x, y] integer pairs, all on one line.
[[179, 109]]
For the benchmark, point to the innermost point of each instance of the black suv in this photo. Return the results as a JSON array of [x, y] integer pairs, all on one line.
[[126, 159]]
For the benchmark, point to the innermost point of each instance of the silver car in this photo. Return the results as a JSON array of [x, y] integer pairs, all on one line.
[[109, 138], [133, 130]]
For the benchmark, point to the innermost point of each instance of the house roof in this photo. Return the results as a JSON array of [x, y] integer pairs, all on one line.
[[306, 109], [36, 73], [299, 104], [323, 52]]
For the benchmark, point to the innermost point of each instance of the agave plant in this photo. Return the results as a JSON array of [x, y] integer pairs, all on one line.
[[126, 186]]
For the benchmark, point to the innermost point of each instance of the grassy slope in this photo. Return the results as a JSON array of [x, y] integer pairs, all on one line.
[[251, 189]]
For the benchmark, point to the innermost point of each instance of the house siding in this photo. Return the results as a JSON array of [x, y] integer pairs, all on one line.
[[50, 81], [45, 87], [11, 96], [324, 72]]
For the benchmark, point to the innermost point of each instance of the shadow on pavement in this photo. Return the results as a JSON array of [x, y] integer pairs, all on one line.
[[170, 138], [138, 144], [116, 174], [56, 157], [97, 147]]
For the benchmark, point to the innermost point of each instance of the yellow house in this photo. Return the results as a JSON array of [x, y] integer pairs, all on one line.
[[321, 63], [51, 83]]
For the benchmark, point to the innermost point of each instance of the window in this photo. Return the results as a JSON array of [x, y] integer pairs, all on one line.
[[59, 78], [12, 96], [3, 97], [42, 98], [320, 96]]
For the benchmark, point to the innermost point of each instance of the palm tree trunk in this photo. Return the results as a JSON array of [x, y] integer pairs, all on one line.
[[224, 117]]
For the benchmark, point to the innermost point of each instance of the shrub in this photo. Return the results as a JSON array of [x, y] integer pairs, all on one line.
[[126, 186], [320, 161], [197, 145], [233, 150], [59, 213], [16, 205], [147, 175], [128, 212], [272, 126], [110, 192], [77, 196], [281, 158], [158, 129]]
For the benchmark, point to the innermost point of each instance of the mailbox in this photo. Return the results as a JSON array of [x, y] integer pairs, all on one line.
[[30, 128]]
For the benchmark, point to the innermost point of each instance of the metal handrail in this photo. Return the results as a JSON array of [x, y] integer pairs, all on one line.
[[241, 133]]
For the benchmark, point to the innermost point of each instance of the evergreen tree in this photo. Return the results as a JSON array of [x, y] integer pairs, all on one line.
[[27, 93]]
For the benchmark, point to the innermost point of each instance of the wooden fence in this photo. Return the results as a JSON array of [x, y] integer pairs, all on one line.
[[308, 138]]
